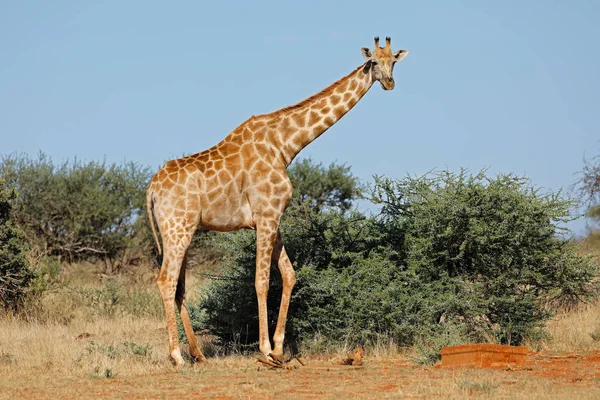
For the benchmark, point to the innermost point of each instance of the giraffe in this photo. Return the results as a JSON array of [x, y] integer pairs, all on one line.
[[241, 183]]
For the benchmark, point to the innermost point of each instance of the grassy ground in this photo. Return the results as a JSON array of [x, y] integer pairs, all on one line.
[[105, 337], [128, 360]]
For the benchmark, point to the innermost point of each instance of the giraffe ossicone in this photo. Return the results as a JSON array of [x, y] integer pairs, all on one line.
[[241, 183]]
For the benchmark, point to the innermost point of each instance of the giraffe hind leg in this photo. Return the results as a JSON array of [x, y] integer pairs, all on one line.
[[288, 277], [195, 352], [167, 281]]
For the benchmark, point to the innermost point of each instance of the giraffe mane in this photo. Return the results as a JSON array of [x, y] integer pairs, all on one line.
[[323, 93]]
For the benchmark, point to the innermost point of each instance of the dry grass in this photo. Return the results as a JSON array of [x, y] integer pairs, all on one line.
[[575, 331], [113, 346], [88, 325], [49, 362], [578, 330], [126, 357], [104, 337]]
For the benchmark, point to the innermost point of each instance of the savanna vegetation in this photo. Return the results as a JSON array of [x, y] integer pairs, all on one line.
[[446, 258]]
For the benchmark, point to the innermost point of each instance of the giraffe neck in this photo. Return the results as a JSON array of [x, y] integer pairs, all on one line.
[[300, 124]]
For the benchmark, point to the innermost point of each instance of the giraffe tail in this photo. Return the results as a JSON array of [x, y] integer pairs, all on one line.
[[150, 210]]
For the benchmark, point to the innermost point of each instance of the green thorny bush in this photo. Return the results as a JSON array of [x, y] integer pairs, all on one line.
[[487, 252], [451, 258]]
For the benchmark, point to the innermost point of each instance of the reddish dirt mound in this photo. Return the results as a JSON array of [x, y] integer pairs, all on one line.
[[483, 355], [567, 368]]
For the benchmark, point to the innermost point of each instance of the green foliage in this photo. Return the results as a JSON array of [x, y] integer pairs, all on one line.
[[492, 244], [47, 275], [79, 210], [320, 187], [452, 258], [15, 274]]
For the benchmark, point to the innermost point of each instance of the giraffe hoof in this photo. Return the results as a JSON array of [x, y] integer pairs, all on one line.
[[198, 359], [277, 358], [267, 361], [274, 361], [179, 363], [176, 358]]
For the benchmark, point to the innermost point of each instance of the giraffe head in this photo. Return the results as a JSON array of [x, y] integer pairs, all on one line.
[[380, 62]]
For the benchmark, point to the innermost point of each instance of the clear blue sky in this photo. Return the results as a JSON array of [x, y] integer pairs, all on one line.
[[512, 85]]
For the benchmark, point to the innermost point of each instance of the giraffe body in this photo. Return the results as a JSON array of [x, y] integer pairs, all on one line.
[[241, 183]]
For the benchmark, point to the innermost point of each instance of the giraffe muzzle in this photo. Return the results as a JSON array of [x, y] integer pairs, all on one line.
[[387, 83]]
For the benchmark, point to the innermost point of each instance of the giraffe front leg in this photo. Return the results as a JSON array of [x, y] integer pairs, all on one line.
[[289, 280], [266, 234]]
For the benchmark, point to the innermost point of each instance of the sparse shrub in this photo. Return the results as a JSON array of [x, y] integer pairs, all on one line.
[[109, 351], [48, 297], [47, 275], [103, 301], [138, 349], [595, 335], [6, 358], [123, 349]]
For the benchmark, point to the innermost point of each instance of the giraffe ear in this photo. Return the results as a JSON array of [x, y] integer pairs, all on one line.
[[400, 54], [366, 53]]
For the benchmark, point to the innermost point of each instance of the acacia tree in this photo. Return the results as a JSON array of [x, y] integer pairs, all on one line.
[[78, 210], [319, 187]]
